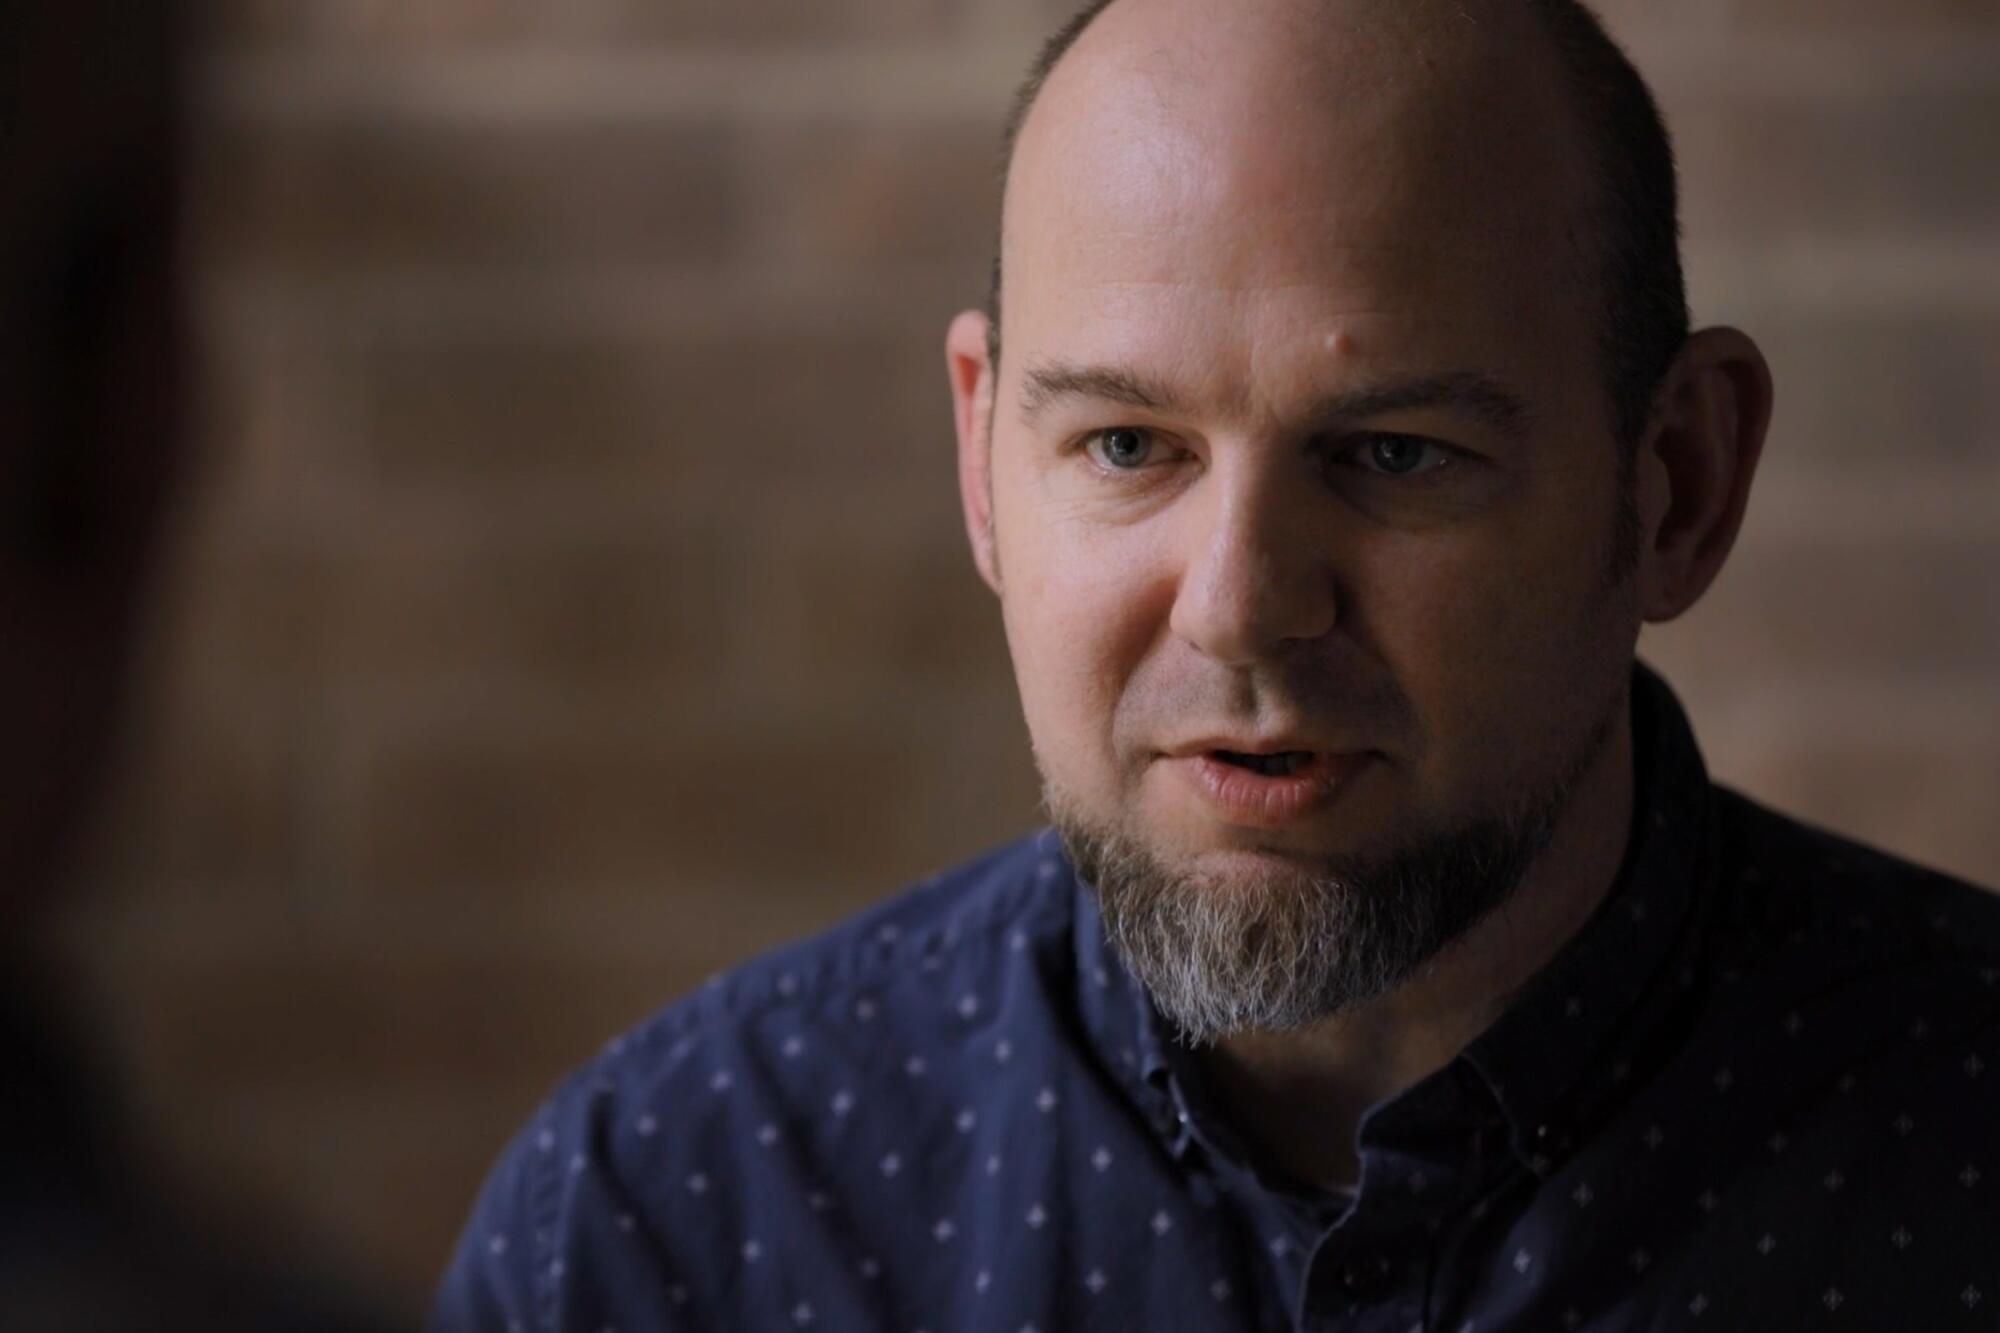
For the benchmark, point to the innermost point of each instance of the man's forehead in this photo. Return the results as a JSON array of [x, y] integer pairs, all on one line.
[[1268, 358], [1288, 318], [1318, 160]]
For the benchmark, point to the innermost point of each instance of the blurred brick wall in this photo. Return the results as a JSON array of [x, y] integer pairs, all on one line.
[[574, 601]]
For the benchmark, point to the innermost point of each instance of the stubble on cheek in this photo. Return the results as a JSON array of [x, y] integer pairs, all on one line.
[[1075, 665]]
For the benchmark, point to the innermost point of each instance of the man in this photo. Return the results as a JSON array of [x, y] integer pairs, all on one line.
[[1393, 963]]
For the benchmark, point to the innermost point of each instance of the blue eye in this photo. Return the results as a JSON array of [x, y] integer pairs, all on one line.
[[1121, 448], [1398, 455]]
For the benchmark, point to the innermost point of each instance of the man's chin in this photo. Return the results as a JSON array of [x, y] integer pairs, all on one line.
[[1213, 850], [1195, 849], [1242, 933], [1255, 867]]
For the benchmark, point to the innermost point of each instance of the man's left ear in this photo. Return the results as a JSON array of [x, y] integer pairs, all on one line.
[[1695, 464]]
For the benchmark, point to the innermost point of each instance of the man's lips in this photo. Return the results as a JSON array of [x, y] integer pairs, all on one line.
[[1277, 742], [1258, 789]]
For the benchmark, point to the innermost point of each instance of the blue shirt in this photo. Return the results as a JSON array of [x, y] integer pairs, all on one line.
[[1759, 1090]]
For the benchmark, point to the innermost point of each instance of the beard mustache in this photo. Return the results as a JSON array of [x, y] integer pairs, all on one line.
[[1299, 948]]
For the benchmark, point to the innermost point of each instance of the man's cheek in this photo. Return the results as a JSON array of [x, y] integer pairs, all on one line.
[[1447, 618], [1462, 653]]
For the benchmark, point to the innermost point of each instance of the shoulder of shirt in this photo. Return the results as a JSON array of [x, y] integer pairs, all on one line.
[[955, 927], [786, 1043], [1791, 876]]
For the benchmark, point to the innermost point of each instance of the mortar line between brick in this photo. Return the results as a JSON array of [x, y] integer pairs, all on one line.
[[536, 85]]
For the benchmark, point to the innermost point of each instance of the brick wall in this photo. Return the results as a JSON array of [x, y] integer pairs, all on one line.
[[573, 601]]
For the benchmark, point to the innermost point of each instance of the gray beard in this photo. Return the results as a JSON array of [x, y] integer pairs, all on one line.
[[1301, 948]]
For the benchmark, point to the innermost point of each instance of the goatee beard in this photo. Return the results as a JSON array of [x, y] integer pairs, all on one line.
[[1302, 947]]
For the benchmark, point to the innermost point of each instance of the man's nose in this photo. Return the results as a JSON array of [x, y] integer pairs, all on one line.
[[1257, 577]]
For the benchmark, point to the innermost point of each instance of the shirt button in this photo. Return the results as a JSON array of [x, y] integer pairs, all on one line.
[[1365, 1276]]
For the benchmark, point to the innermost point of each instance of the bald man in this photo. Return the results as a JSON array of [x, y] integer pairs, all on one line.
[[1392, 963]]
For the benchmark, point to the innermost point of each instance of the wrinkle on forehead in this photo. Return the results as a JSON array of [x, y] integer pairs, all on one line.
[[1257, 259]]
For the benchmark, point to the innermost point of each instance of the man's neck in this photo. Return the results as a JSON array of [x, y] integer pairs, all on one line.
[[1298, 1096]]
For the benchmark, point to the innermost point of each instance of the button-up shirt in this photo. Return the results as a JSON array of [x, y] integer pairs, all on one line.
[[1760, 1089]]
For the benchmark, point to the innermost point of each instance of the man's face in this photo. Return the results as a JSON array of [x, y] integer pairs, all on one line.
[[1299, 444]]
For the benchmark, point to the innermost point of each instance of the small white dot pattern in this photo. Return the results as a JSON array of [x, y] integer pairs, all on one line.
[[1760, 1090]]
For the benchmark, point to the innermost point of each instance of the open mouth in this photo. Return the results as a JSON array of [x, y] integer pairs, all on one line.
[[1268, 790], [1270, 765]]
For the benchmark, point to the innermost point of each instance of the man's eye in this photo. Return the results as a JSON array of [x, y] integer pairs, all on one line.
[[1121, 448], [1396, 455]]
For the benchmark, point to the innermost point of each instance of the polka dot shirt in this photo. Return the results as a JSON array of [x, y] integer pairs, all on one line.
[[1759, 1090]]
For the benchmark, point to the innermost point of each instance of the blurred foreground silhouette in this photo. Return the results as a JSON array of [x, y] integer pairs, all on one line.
[[91, 449]]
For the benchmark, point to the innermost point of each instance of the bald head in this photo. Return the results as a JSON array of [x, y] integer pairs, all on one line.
[[1517, 120]]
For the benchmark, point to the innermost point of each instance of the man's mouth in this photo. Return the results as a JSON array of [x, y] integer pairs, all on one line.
[[1278, 764], [1267, 788]]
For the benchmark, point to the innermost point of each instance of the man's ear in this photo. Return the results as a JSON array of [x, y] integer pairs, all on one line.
[[972, 412], [1695, 464]]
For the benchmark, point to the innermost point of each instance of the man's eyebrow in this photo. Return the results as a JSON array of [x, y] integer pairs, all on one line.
[[1050, 381], [1480, 395]]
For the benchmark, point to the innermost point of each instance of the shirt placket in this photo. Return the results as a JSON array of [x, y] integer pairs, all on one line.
[[1425, 1158]]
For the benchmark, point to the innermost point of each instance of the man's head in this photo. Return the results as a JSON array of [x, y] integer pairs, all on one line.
[[1632, 238], [1304, 441]]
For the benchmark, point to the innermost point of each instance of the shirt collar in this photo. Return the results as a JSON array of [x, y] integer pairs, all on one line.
[[1558, 1054], [1559, 1051]]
